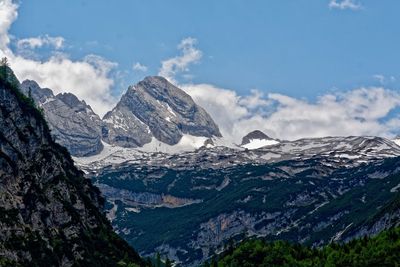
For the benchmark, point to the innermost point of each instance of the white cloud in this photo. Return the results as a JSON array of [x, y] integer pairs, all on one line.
[[190, 54], [357, 112], [88, 78], [345, 4], [139, 67], [8, 14], [363, 111], [40, 41]]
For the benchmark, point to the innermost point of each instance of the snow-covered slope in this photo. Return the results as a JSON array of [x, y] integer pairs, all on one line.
[[397, 141], [258, 143], [187, 143], [257, 139], [112, 154], [335, 151]]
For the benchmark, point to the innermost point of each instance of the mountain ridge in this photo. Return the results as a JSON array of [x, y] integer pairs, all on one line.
[[151, 109], [50, 215]]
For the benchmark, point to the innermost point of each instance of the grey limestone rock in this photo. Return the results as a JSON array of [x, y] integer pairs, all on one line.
[[72, 122], [155, 107]]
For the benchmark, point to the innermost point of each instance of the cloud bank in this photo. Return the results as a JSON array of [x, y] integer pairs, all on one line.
[[88, 78], [362, 111]]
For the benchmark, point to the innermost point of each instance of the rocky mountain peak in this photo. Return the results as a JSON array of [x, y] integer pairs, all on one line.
[[257, 139], [257, 134], [38, 94], [73, 102], [156, 108], [162, 90], [153, 110]]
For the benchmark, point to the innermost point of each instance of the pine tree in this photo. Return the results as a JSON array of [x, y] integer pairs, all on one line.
[[4, 62], [168, 263], [214, 262], [158, 260], [3, 67]]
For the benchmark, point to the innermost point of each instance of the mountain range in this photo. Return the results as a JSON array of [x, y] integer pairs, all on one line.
[[152, 110], [173, 186]]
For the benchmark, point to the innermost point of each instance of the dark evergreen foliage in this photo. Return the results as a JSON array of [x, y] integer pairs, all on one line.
[[381, 250]]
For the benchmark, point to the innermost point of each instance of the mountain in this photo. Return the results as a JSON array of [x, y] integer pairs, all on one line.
[[188, 204], [153, 113], [311, 191], [50, 215], [257, 139], [154, 108], [72, 122]]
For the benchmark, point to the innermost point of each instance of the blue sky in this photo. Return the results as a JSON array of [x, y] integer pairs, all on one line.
[[300, 48], [293, 69]]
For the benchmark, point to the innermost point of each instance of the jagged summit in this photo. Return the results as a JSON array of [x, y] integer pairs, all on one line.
[[156, 108]]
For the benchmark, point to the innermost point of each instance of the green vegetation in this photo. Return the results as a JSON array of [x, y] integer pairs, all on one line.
[[86, 238], [381, 250], [324, 213]]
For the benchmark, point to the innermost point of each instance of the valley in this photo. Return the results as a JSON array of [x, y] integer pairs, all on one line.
[[311, 191], [194, 133]]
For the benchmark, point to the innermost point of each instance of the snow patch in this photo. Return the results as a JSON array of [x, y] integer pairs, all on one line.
[[395, 189], [258, 143], [48, 100], [187, 143], [170, 110], [110, 154], [397, 141], [135, 210]]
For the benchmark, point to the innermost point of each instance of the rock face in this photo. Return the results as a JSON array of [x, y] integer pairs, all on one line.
[[49, 213], [387, 217], [72, 122], [156, 108]]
